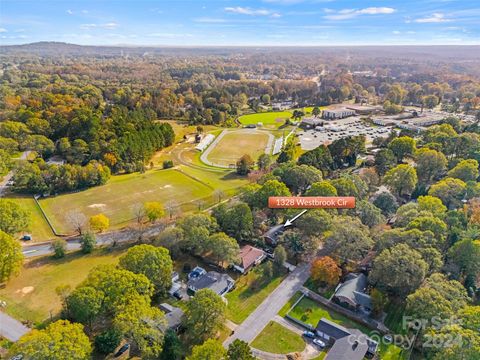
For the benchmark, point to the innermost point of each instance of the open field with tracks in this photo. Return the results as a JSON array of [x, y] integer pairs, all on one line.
[[234, 144]]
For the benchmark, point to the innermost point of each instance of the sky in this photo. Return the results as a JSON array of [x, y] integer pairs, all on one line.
[[241, 22]]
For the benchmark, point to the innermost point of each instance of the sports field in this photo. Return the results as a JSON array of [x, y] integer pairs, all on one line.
[[233, 145], [273, 119], [117, 198], [268, 119]]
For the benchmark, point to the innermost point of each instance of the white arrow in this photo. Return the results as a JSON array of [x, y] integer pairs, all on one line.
[[290, 221]]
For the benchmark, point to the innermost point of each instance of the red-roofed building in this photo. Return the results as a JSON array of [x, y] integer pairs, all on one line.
[[249, 256]]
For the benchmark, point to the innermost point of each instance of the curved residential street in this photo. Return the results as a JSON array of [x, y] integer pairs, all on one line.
[[10, 328]]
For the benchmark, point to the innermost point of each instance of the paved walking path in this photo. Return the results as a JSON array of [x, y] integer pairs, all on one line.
[[268, 309], [10, 328]]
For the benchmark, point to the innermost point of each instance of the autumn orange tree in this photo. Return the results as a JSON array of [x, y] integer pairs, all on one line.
[[325, 270]]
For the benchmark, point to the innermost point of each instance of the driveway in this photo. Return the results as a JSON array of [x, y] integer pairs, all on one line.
[[268, 309], [10, 328], [8, 177], [3, 183]]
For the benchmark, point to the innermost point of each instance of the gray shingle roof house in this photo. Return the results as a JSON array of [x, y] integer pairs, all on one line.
[[345, 349], [273, 234], [347, 344], [351, 294], [173, 315], [219, 283]]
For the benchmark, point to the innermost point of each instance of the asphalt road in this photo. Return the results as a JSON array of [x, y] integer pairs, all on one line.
[[10, 328], [268, 309], [118, 236]]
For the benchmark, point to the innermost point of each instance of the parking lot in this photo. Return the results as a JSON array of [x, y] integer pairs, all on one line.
[[337, 129]]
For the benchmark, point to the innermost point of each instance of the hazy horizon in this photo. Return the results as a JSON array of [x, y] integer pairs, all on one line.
[[220, 23]]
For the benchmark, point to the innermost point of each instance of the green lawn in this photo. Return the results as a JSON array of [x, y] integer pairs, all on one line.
[[250, 290], [391, 352], [270, 119], [31, 296], [117, 198], [311, 312], [227, 181], [279, 340], [38, 225], [286, 308]]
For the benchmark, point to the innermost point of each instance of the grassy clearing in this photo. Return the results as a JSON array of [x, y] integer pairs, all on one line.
[[122, 192], [31, 296], [226, 181], [182, 128], [250, 290], [278, 340], [269, 119], [236, 144], [311, 312], [38, 225]]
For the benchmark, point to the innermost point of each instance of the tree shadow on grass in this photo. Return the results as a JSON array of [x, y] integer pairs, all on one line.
[[232, 176]]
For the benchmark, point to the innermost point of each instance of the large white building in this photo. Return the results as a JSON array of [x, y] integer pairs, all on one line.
[[335, 114]]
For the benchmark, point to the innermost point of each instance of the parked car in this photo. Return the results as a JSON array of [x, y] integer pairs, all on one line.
[[122, 350], [178, 295], [27, 237], [269, 252], [319, 343], [309, 334], [388, 338]]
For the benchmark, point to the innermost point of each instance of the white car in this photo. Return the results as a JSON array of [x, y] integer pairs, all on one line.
[[319, 343]]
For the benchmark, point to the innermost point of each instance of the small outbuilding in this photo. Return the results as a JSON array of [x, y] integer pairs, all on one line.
[[173, 315]]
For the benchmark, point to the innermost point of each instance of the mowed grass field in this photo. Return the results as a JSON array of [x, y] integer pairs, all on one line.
[[235, 144], [273, 119], [227, 181], [117, 198], [278, 340], [268, 119], [38, 227], [31, 296]]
